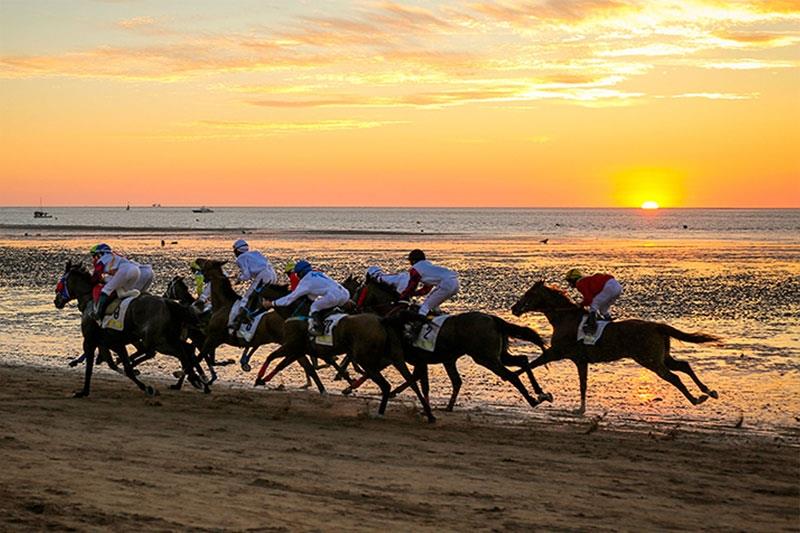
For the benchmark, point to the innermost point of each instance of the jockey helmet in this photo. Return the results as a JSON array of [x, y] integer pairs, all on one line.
[[416, 256], [100, 249], [373, 272], [194, 267], [302, 267], [573, 275], [289, 268], [240, 246]]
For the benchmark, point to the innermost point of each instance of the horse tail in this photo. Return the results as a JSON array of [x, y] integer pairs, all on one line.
[[669, 331], [519, 332]]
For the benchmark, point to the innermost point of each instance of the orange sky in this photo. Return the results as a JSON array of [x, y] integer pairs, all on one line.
[[512, 103]]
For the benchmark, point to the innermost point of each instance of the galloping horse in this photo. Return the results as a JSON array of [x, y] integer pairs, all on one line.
[[482, 336], [645, 342], [223, 297], [153, 324], [370, 345]]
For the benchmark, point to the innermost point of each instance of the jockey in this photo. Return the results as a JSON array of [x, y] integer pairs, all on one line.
[[320, 289], [202, 286], [294, 280], [124, 275], [253, 267], [399, 281], [599, 292], [440, 282]]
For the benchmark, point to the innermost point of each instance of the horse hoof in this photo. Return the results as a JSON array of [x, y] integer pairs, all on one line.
[[546, 397], [73, 364], [246, 367], [307, 385], [151, 391], [348, 391], [206, 390], [701, 399], [178, 374], [175, 386], [80, 394], [260, 383], [431, 419], [713, 394], [578, 412]]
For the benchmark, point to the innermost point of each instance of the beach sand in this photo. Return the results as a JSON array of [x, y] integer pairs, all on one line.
[[243, 459]]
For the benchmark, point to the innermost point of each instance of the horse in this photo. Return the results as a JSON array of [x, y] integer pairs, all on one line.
[[362, 337], [152, 323], [268, 331], [481, 336], [645, 342]]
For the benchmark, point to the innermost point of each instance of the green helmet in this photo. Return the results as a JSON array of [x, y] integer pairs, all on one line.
[[100, 249], [573, 275], [289, 268]]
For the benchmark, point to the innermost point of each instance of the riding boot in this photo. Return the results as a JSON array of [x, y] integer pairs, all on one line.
[[591, 324], [415, 323], [101, 306], [315, 324]]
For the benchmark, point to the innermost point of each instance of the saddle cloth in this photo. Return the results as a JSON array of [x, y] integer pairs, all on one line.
[[428, 333], [115, 314], [591, 340], [246, 330], [329, 324]]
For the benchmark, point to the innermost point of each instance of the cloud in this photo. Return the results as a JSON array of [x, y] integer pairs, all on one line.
[[748, 64], [529, 12], [717, 96]]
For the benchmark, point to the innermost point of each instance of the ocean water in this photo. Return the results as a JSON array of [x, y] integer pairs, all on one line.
[[729, 224], [734, 273]]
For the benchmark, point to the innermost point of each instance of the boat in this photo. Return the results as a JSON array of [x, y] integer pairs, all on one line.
[[203, 209], [41, 213]]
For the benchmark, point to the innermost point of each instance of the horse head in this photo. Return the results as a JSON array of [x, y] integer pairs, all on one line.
[[352, 285], [542, 298], [75, 282], [179, 291]]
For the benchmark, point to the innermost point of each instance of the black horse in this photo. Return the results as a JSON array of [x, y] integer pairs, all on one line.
[[152, 323]]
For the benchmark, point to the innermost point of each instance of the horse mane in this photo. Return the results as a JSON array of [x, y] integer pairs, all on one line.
[[561, 294], [383, 285]]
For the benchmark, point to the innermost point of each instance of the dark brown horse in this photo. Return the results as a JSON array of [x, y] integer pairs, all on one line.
[[153, 324], [369, 345], [223, 297], [481, 336], [645, 342]]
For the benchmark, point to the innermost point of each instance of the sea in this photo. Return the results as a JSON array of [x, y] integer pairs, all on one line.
[[731, 272]]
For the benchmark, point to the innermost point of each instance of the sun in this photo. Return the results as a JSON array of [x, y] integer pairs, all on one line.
[[650, 204]]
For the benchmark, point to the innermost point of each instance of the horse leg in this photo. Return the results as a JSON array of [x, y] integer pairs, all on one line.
[[507, 375], [423, 399], [308, 366], [455, 382], [522, 362], [88, 352], [126, 364], [660, 368], [583, 378], [277, 353], [247, 353], [385, 387], [683, 366], [78, 360], [554, 353]]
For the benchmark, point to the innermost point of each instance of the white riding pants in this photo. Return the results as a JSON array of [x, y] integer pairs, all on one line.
[[329, 300], [439, 294], [602, 302], [145, 278], [125, 279]]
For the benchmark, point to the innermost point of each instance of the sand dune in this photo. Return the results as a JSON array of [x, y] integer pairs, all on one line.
[[242, 459]]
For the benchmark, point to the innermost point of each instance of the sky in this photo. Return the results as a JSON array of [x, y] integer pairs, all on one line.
[[540, 103]]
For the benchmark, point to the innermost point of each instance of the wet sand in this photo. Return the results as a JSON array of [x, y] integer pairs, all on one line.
[[269, 460]]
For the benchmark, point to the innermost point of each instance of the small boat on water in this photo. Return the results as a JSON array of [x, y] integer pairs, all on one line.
[[42, 214], [203, 209]]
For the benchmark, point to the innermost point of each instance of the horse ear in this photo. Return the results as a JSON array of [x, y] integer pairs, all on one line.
[[539, 283], [68, 265]]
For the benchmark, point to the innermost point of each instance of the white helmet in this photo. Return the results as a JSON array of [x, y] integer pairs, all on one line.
[[241, 246]]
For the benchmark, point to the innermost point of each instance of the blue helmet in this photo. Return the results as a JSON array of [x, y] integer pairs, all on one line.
[[302, 267], [241, 246], [100, 249]]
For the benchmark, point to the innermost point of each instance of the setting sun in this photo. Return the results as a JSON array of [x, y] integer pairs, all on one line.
[[650, 204]]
